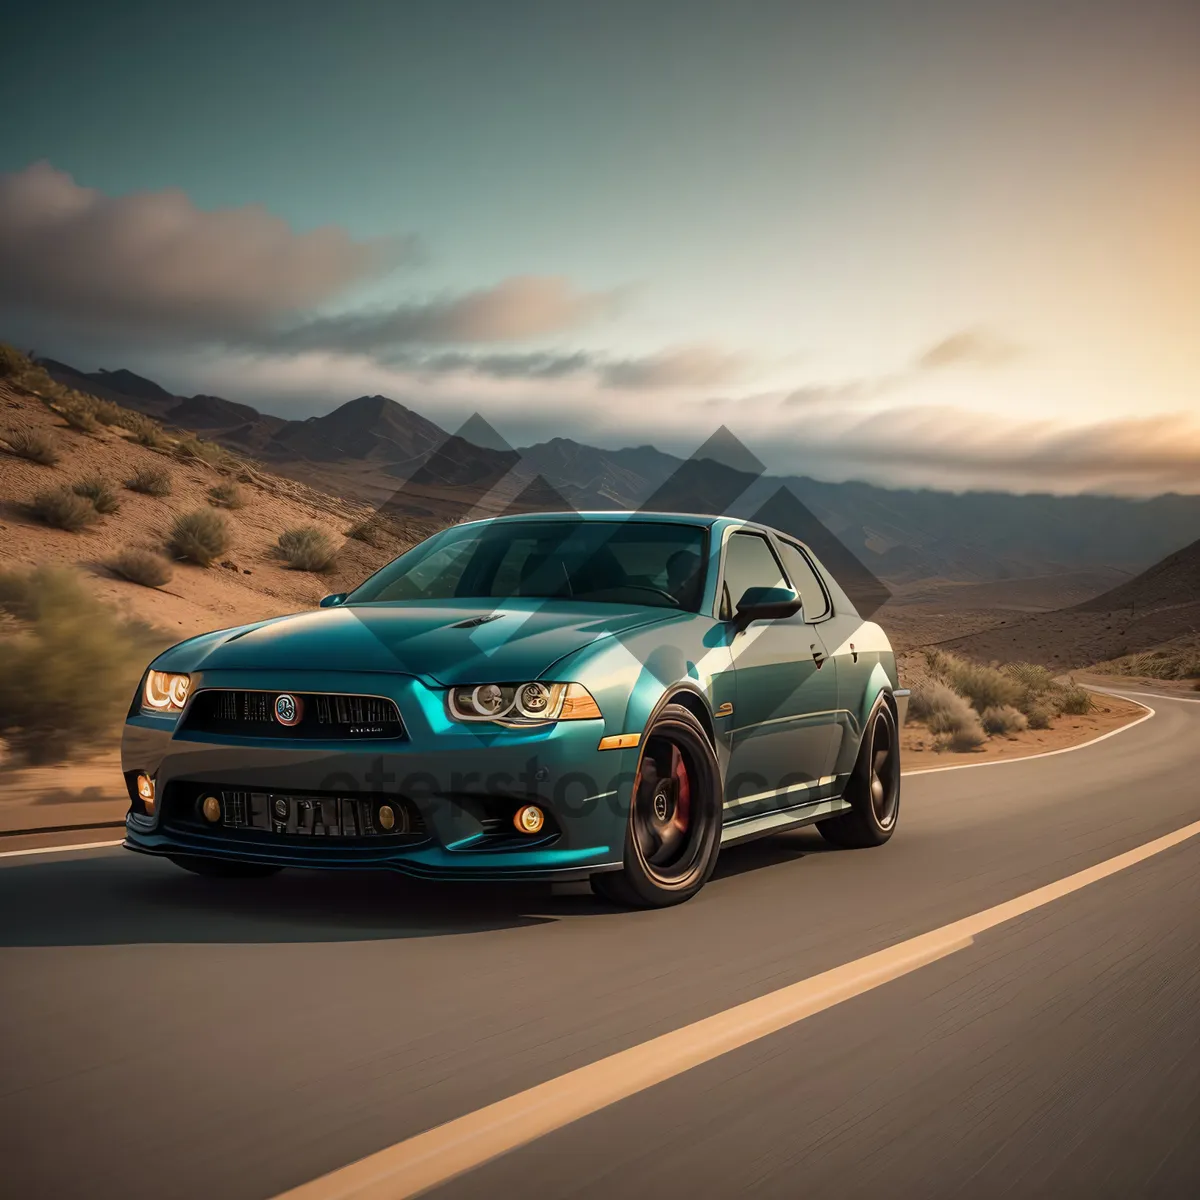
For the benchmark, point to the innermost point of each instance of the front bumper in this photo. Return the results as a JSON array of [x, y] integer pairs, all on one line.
[[461, 782]]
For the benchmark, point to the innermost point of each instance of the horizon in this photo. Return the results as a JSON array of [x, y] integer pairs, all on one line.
[[952, 249], [641, 446]]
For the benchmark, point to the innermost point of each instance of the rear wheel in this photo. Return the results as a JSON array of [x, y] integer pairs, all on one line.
[[222, 868], [674, 829], [874, 786]]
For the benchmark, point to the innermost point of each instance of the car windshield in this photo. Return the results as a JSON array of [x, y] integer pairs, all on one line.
[[617, 562]]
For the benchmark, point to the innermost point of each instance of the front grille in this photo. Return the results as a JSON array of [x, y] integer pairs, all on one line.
[[320, 715], [304, 816]]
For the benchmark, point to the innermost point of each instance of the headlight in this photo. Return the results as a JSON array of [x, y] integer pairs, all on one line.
[[165, 693], [523, 702]]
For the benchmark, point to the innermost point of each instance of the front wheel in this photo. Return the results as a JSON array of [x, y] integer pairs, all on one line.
[[674, 830], [874, 786], [222, 868]]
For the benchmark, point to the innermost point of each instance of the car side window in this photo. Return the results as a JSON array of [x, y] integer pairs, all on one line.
[[749, 562], [805, 580]]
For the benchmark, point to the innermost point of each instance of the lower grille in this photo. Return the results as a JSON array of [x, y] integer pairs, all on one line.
[[309, 715], [297, 815]]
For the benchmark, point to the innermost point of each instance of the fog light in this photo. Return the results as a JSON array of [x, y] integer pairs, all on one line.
[[387, 816], [529, 819], [211, 808], [145, 791]]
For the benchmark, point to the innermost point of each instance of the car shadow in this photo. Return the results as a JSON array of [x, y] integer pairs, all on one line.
[[117, 899]]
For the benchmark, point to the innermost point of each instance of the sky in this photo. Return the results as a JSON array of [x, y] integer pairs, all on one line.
[[925, 244]]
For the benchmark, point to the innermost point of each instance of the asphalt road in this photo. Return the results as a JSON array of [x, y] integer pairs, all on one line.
[[163, 1035]]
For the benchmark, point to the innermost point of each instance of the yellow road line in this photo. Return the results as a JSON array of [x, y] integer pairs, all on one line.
[[431, 1158]]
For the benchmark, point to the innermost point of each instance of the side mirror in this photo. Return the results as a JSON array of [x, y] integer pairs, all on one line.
[[765, 604], [334, 600]]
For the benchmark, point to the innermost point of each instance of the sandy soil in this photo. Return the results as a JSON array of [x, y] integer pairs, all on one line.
[[250, 583], [1110, 712]]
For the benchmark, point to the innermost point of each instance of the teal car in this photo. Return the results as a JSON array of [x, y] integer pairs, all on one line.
[[609, 696]]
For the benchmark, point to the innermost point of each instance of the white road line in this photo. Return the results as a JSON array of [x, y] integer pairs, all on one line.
[[1023, 758], [431, 1158], [60, 849], [1152, 695]]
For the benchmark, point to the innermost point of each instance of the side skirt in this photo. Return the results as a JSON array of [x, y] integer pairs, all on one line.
[[788, 818]]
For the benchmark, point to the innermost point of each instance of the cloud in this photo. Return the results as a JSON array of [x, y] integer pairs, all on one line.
[[682, 366], [516, 309], [153, 262], [955, 447], [968, 347]]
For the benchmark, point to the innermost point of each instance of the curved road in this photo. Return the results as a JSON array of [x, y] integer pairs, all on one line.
[[165, 1035]]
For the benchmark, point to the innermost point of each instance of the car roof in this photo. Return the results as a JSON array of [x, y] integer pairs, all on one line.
[[703, 520], [613, 514]]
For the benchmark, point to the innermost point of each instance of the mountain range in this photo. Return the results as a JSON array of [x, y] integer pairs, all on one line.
[[376, 449]]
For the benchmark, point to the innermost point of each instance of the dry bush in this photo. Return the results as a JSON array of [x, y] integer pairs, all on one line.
[[79, 413], [68, 665], [307, 548], [100, 492], [34, 445], [142, 566], [1004, 720], [13, 364], [1074, 700], [946, 713], [107, 412], [146, 432], [1040, 715], [226, 495], [984, 687], [208, 452], [199, 536], [150, 481], [63, 509], [969, 737], [1167, 662]]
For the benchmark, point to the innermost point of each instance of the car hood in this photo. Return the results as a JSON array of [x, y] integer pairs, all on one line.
[[447, 643]]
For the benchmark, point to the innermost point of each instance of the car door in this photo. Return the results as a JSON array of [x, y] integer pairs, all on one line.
[[785, 692]]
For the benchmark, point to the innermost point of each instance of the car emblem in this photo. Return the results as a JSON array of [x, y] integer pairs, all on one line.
[[288, 709]]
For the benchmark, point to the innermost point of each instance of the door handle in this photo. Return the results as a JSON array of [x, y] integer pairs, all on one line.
[[818, 655]]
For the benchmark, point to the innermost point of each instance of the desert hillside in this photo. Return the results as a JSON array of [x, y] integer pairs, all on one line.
[[249, 580], [1158, 608]]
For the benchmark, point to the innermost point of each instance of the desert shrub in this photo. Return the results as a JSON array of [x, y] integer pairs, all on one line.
[[968, 737], [142, 566], [199, 536], [150, 481], [1074, 700], [63, 509], [13, 364], [984, 687], [1169, 662], [226, 495], [1003, 720], [943, 710], [1040, 715], [107, 413], [100, 492], [68, 665], [209, 452], [34, 445], [146, 432], [79, 413], [307, 548]]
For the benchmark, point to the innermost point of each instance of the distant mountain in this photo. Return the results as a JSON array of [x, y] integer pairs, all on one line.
[[371, 429], [378, 450], [1158, 606]]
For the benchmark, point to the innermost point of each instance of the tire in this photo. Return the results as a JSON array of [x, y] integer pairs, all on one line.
[[874, 786], [222, 868], [674, 830]]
